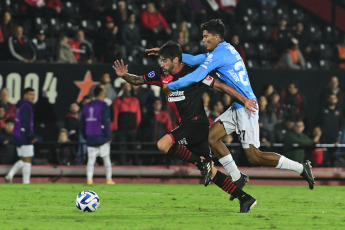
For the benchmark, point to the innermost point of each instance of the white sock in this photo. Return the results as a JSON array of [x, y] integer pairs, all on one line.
[[90, 167], [26, 172], [285, 163], [15, 168], [107, 167], [230, 166]]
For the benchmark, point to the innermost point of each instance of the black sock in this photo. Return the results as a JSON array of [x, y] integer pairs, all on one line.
[[182, 153], [225, 183]]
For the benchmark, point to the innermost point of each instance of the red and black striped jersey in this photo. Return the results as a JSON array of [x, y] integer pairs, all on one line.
[[186, 102]]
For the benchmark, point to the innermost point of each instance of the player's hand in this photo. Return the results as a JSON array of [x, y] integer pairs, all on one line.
[[166, 89], [120, 68], [251, 105], [152, 51]]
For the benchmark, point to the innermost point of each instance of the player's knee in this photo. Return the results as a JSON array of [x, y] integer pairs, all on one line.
[[161, 145], [212, 141]]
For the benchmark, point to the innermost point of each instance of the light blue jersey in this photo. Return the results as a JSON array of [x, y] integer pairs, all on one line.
[[227, 63]]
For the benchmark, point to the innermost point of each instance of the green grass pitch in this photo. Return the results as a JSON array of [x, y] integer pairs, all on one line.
[[140, 206]]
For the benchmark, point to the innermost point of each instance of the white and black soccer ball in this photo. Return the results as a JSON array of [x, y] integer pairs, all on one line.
[[87, 201]]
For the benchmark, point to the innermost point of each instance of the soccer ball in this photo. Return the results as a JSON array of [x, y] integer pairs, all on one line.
[[87, 201]]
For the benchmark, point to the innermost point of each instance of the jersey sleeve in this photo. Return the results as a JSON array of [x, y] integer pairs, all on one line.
[[213, 61], [153, 78], [193, 60]]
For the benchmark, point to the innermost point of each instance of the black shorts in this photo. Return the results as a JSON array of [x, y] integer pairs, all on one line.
[[194, 136]]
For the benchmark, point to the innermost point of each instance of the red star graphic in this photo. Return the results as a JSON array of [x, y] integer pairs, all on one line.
[[85, 85]]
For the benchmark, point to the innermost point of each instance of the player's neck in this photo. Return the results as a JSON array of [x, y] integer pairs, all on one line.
[[177, 69]]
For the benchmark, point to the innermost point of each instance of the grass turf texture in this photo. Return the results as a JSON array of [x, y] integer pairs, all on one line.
[[131, 206]]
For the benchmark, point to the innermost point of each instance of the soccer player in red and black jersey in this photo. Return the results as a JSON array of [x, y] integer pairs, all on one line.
[[189, 141]]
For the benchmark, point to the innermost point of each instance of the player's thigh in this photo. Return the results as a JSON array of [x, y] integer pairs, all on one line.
[[247, 128], [227, 120], [25, 151], [104, 150], [190, 133], [93, 152]]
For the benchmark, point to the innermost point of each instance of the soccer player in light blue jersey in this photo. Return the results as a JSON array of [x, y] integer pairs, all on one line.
[[229, 66]]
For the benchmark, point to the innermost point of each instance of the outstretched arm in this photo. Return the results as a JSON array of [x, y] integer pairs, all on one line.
[[194, 60], [249, 104], [186, 58], [196, 76], [122, 71]]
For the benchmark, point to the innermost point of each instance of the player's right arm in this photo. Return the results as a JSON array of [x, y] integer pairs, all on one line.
[[122, 71]]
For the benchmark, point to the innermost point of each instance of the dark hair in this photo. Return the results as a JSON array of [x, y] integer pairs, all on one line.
[[295, 83], [27, 90], [171, 50], [9, 120], [98, 90], [214, 26]]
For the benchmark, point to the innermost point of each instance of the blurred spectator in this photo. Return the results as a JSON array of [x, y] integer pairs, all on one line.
[[86, 99], [43, 52], [127, 117], [317, 154], [21, 48], [108, 43], [299, 34], [280, 129], [145, 96], [110, 93], [277, 106], [226, 100], [331, 125], [6, 28], [183, 38], [294, 102], [3, 116], [81, 48], [72, 121], [217, 110], [267, 91], [7, 148], [131, 38], [292, 58], [235, 42], [267, 121], [162, 121], [155, 123], [121, 15], [153, 21], [333, 88], [65, 151], [206, 101], [281, 36], [10, 108], [341, 53], [64, 52], [296, 136]]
